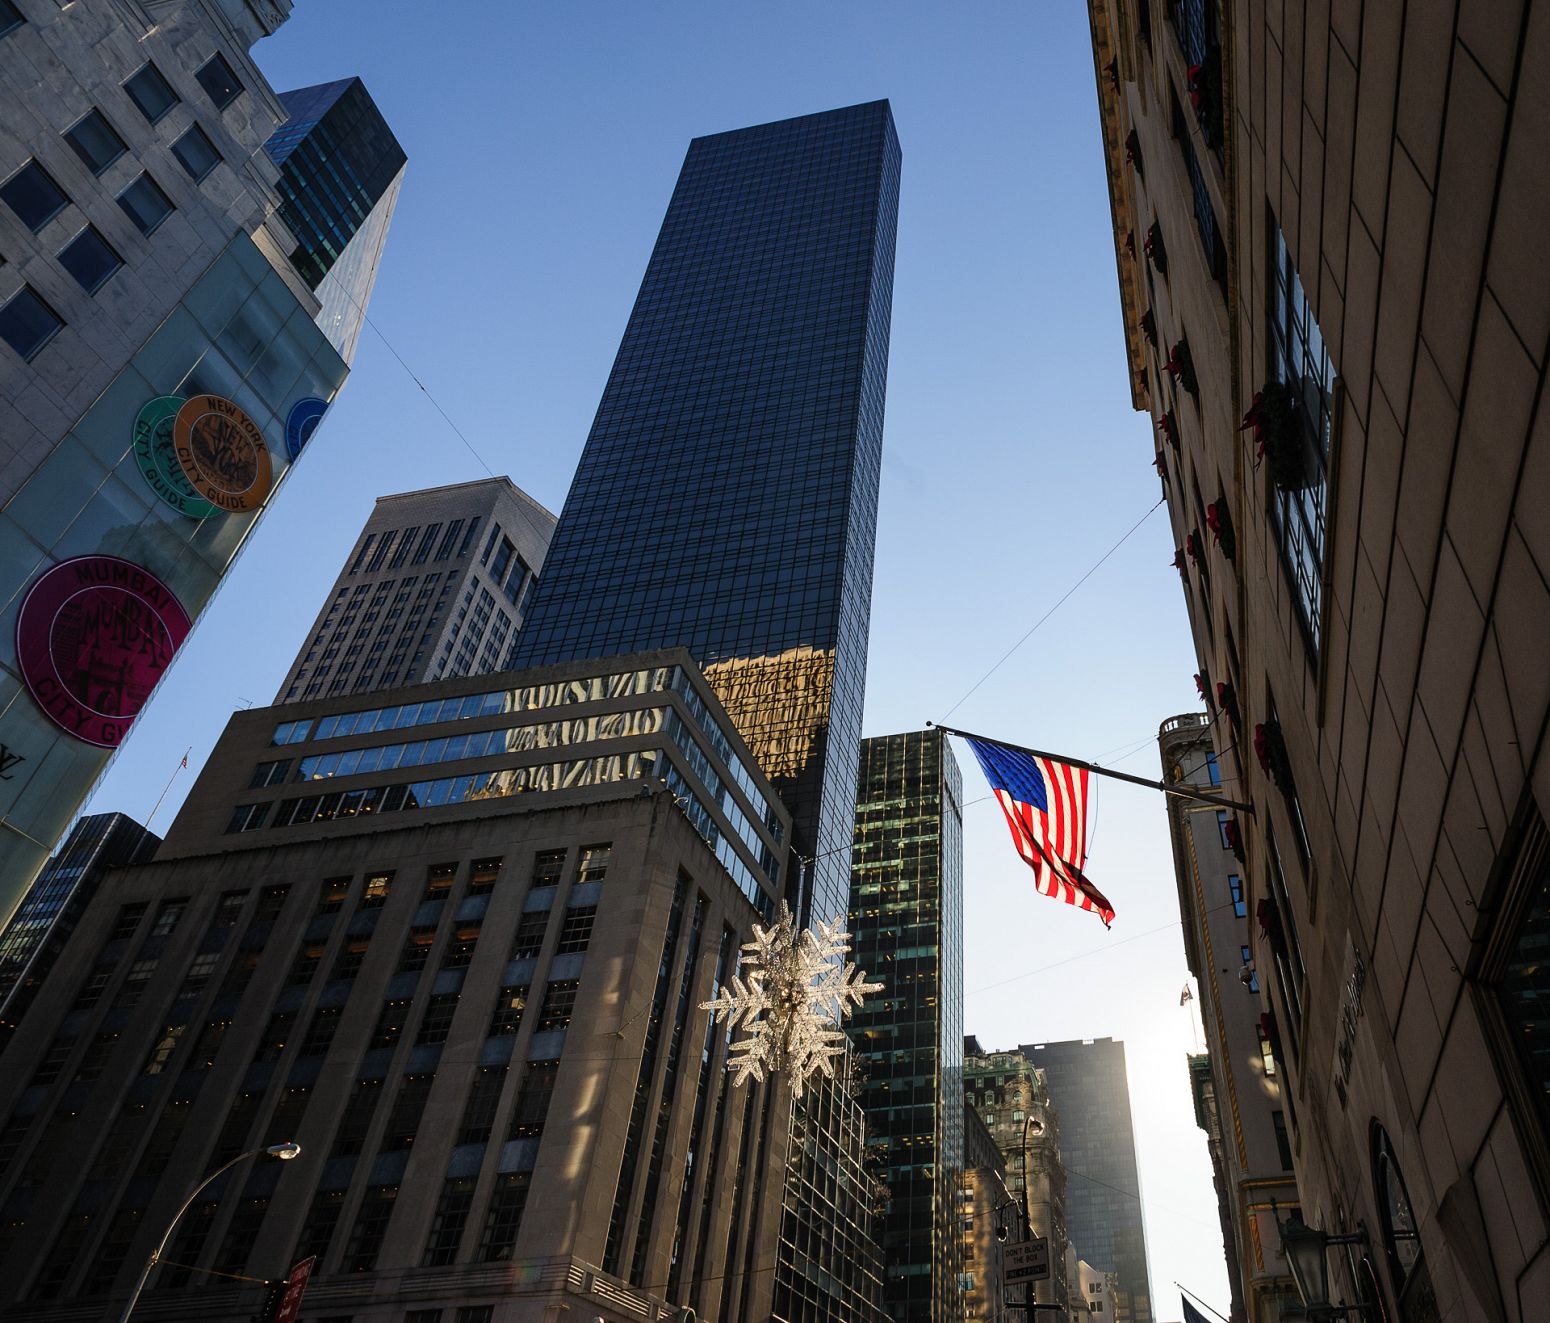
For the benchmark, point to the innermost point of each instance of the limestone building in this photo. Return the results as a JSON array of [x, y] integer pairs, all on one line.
[[435, 586], [1237, 1082], [453, 943], [1329, 252], [987, 1211]]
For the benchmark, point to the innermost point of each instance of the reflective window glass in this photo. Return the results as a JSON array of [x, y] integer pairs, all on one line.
[[219, 81], [34, 196], [90, 260], [27, 323], [196, 153], [145, 204], [95, 141], [151, 93]]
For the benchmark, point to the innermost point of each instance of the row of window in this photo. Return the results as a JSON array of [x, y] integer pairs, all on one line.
[[27, 321]]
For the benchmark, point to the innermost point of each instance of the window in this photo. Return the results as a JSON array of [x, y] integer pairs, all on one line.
[[219, 81], [145, 204], [371, 1223], [548, 865], [332, 896], [438, 1018], [460, 947], [1213, 769], [166, 1044], [317, 1231], [305, 965], [507, 1200], [484, 1097], [529, 940], [403, 1121], [27, 323], [151, 93], [95, 141], [34, 196], [291, 732], [1240, 906], [1222, 823], [134, 983], [1400, 1236], [376, 892], [438, 881], [559, 1002], [270, 774], [54, 1059], [127, 920], [229, 910], [447, 1223], [196, 153], [10, 17], [276, 1033], [1298, 358], [350, 1138], [594, 863], [247, 817], [390, 1023], [1267, 1054], [576, 931], [417, 949], [348, 965], [475, 1313], [1283, 1142], [483, 876], [507, 1018], [199, 971], [1248, 964], [320, 1033]]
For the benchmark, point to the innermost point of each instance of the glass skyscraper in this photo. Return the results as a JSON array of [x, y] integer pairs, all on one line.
[[1089, 1086], [906, 923], [726, 499], [340, 172]]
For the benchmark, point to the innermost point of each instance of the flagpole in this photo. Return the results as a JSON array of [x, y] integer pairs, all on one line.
[[1180, 791], [168, 786]]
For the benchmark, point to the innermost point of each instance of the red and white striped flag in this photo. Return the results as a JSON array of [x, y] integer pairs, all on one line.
[[1045, 803]]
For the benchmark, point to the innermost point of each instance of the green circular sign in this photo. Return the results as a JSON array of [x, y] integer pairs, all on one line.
[[158, 460]]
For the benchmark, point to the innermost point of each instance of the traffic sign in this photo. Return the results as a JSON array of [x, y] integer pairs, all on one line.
[[1026, 1261]]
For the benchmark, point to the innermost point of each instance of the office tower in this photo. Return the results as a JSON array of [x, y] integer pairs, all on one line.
[[341, 170], [159, 369], [1013, 1100], [726, 498], [1344, 212], [435, 586], [906, 925], [1237, 1081], [988, 1208], [455, 945], [1090, 1089], [37, 933]]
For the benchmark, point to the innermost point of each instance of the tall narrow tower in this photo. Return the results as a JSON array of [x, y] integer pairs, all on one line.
[[726, 499]]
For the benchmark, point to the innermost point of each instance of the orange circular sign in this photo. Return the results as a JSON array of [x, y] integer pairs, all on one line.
[[222, 453]]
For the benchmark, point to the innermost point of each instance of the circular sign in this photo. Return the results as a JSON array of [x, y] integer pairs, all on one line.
[[302, 422], [94, 635], [159, 464], [222, 453]]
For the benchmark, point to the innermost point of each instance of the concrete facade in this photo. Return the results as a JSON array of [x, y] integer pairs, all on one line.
[[1237, 1083], [434, 587], [1376, 617], [478, 1014], [986, 1204]]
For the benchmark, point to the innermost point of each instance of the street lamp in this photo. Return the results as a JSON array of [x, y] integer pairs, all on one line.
[[1306, 1249], [285, 1152]]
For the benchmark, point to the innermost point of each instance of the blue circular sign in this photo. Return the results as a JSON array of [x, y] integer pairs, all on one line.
[[302, 422]]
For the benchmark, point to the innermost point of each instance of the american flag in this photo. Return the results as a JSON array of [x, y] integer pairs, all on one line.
[[1045, 803]]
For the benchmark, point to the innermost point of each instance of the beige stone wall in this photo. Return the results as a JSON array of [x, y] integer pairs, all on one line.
[[1400, 151]]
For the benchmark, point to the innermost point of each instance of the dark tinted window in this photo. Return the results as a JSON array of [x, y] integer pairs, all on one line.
[[151, 93], [95, 141], [10, 17], [196, 153], [33, 196], [145, 204], [27, 323], [221, 85], [89, 259]]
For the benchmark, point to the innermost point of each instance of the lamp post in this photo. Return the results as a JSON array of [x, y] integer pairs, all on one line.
[[284, 1152], [1033, 1125], [1306, 1249]]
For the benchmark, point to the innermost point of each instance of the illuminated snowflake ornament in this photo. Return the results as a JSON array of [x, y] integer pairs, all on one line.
[[789, 998]]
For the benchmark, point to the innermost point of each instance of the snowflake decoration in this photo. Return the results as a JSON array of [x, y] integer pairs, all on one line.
[[793, 991]]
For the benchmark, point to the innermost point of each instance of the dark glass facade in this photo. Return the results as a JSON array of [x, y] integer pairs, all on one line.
[[337, 159], [906, 924], [1089, 1086], [726, 499], [42, 924]]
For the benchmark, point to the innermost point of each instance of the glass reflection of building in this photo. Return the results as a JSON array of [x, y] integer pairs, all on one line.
[[341, 169], [37, 933], [726, 497], [906, 922]]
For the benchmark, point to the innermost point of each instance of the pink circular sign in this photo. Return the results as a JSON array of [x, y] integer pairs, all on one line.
[[94, 635]]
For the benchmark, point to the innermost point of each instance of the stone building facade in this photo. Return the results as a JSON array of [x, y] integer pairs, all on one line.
[[470, 991], [1237, 1082], [986, 1205], [1328, 241]]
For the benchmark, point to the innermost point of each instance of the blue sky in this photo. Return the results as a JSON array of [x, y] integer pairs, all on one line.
[[543, 142]]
